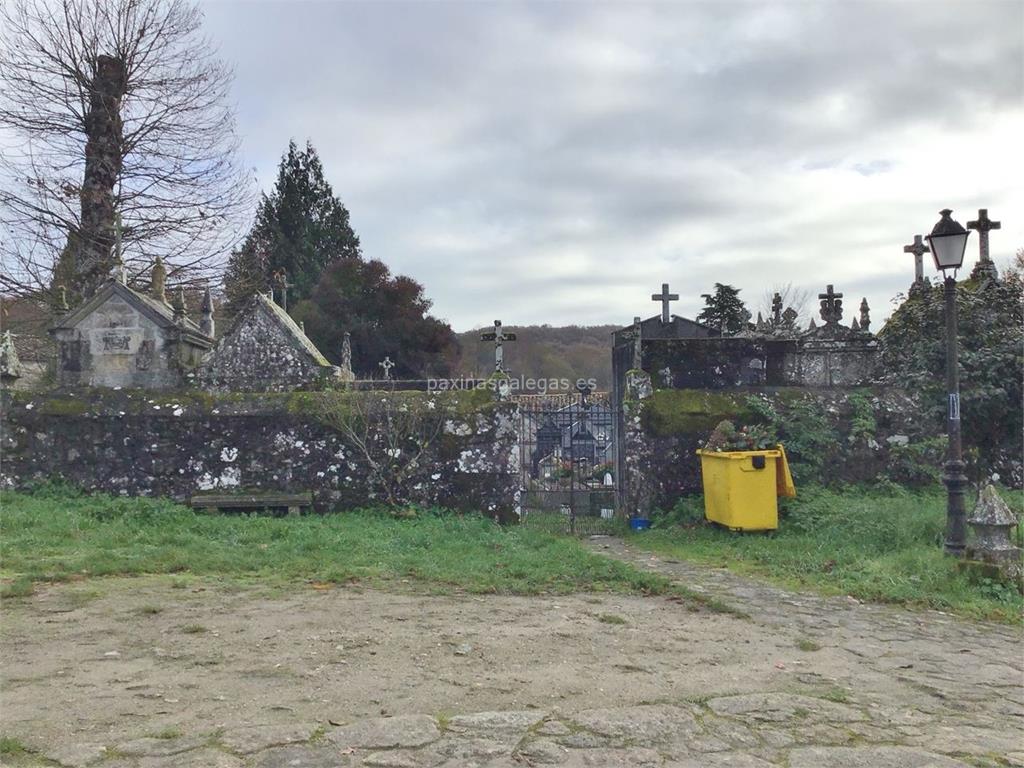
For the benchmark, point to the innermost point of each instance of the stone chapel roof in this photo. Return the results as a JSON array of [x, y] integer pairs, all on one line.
[[157, 311], [290, 327]]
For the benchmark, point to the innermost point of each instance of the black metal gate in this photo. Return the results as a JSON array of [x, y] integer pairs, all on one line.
[[568, 462]]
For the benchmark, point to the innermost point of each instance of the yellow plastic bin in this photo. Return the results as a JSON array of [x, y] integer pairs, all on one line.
[[741, 488]]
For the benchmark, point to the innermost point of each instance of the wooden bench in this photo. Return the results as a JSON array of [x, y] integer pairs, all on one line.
[[293, 502]]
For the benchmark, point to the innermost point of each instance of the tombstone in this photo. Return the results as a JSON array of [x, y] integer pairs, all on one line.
[[387, 365]]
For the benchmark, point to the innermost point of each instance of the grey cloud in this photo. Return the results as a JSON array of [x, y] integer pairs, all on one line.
[[556, 162]]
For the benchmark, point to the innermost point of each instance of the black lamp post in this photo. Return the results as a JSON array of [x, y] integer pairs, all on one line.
[[948, 241]]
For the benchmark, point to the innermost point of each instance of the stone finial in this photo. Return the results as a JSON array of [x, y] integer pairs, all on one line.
[[991, 521], [759, 325], [118, 271], [10, 365], [62, 299], [207, 324], [865, 315], [179, 306], [855, 326], [346, 353], [158, 281], [811, 325]]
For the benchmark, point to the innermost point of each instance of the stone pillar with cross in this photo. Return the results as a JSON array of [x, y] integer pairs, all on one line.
[[919, 249], [499, 337], [665, 297], [985, 268], [387, 365]]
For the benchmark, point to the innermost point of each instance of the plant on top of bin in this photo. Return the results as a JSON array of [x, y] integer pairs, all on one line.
[[726, 437]]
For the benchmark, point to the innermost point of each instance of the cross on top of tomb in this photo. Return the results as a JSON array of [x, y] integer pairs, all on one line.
[[919, 249], [777, 310], [831, 306], [498, 336], [983, 224], [665, 298]]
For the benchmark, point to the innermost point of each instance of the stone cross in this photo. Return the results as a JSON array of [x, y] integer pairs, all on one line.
[[777, 310], [919, 249], [207, 324], [346, 353], [280, 280], [831, 306], [984, 225], [118, 272], [387, 365], [498, 336], [664, 297]]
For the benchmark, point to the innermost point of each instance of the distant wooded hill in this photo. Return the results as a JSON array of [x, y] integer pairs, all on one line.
[[542, 351]]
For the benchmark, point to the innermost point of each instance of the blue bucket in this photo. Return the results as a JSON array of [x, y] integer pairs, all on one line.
[[639, 523]]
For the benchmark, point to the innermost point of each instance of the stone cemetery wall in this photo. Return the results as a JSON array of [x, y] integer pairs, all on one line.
[[723, 363], [831, 435], [335, 444]]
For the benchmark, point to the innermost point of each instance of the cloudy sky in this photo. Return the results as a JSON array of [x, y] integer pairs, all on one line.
[[556, 162]]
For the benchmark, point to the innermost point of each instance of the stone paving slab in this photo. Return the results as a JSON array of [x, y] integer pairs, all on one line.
[[900, 690]]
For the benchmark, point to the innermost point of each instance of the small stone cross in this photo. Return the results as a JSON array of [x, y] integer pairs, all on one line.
[[777, 310], [279, 280], [664, 297], [919, 249], [831, 306], [983, 224], [387, 365], [498, 336]]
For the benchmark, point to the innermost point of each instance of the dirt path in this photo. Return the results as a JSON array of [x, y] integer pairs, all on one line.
[[137, 672]]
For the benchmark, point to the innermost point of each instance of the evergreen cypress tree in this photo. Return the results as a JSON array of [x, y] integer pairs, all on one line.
[[300, 227], [724, 310]]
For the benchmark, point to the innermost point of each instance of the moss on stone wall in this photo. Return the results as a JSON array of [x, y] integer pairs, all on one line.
[[685, 411]]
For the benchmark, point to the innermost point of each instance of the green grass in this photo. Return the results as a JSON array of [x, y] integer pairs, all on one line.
[[882, 546], [55, 534], [11, 747]]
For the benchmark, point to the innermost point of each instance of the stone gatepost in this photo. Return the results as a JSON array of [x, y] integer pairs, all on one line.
[[638, 489]]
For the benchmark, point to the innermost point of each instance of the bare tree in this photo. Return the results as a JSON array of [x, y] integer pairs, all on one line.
[[389, 431], [114, 106]]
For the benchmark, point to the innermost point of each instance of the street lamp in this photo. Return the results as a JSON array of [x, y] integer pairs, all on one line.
[[948, 241]]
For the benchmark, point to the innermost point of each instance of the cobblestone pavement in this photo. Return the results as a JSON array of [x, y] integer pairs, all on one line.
[[887, 687]]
